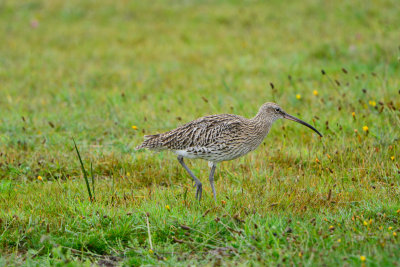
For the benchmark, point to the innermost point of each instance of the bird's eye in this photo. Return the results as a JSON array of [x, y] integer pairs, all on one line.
[[277, 110]]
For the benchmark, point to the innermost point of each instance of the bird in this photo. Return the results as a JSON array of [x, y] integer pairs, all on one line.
[[218, 138]]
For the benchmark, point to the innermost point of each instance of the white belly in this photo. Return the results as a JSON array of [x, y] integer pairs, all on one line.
[[214, 155]]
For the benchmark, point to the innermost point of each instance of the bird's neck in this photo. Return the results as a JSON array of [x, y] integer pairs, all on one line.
[[262, 124]]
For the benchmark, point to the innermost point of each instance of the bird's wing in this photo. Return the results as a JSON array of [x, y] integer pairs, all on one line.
[[203, 132]]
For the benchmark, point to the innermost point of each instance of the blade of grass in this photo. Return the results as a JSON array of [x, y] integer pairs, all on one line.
[[91, 173], [84, 171]]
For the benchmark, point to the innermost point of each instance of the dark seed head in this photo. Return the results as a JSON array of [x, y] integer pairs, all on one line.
[[204, 99], [364, 90], [185, 227], [344, 70], [323, 72], [272, 86]]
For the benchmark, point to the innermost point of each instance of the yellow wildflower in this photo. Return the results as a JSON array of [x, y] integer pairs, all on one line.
[[298, 96], [394, 234], [392, 157], [363, 258], [365, 128], [40, 178], [300, 254], [315, 92], [365, 223], [167, 207], [390, 228], [223, 202], [134, 127], [151, 251], [372, 103], [339, 240], [353, 114], [317, 160], [398, 211]]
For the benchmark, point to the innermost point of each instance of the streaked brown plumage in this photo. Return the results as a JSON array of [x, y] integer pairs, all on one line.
[[218, 138]]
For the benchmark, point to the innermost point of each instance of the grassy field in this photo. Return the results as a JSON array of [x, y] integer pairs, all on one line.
[[108, 72]]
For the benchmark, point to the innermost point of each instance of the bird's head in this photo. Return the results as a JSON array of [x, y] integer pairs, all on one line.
[[273, 112]]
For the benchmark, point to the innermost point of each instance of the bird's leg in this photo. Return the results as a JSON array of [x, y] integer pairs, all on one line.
[[211, 178], [197, 182]]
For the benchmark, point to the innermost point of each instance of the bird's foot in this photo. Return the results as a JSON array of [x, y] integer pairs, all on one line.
[[199, 189]]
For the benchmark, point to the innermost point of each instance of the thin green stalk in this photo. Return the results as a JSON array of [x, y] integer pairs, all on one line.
[[84, 172], [91, 173]]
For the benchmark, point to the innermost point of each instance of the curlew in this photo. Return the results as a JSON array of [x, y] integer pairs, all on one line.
[[217, 138]]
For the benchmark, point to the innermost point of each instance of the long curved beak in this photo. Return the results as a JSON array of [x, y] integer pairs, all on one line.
[[292, 118]]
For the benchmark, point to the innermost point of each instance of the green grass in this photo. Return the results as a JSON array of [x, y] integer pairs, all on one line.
[[90, 70]]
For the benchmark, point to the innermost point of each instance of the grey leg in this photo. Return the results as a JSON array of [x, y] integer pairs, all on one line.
[[211, 178], [197, 182]]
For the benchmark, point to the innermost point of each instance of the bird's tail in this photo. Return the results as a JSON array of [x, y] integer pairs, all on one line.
[[150, 142]]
